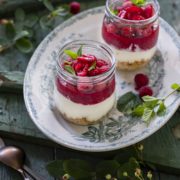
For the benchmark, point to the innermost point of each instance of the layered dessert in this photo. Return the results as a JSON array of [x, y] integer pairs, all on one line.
[[132, 29], [85, 82]]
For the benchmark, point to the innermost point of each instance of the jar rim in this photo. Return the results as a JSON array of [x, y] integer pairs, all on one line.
[[85, 79], [138, 22]]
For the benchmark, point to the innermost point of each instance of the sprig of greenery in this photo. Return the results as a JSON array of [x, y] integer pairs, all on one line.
[[146, 108], [114, 169], [138, 2]]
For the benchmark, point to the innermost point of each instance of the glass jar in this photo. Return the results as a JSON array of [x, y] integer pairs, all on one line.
[[84, 100], [133, 41]]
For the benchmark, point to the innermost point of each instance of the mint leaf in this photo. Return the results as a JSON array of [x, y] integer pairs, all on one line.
[[69, 69], [127, 102], [20, 15], [55, 168], [70, 53], [138, 2], [107, 167], [138, 111], [150, 101], [93, 66], [79, 52], [78, 169], [147, 115], [114, 11], [24, 45], [161, 109], [175, 86], [21, 35]]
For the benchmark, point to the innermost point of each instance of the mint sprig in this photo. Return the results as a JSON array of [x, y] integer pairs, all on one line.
[[70, 69], [146, 108], [93, 66], [138, 2], [72, 54]]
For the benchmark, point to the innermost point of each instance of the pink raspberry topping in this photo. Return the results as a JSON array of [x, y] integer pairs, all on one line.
[[141, 80], [145, 91], [75, 7], [86, 65], [133, 12]]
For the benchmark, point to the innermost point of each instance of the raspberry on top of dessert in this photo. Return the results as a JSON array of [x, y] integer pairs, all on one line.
[[85, 81]]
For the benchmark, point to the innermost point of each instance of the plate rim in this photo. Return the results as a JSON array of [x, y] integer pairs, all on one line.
[[176, 40]]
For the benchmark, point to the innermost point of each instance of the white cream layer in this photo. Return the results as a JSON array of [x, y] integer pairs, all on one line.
[[77, 111], [138, 55]]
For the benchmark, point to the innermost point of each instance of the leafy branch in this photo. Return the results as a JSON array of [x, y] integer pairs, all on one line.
[[145, 108], [115, 169]]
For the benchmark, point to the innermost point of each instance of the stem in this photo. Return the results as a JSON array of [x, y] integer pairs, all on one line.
[[170, 94]]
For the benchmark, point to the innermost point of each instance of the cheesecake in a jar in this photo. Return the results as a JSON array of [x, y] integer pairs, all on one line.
[[132, 31], [85, 82]]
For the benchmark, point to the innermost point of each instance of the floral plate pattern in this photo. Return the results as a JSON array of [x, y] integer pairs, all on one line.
[[115, 131]]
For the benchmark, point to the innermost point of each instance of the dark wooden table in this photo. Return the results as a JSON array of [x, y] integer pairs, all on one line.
[[16, 127]]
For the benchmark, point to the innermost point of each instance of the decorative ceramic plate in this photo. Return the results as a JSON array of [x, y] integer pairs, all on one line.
[[115, 131]]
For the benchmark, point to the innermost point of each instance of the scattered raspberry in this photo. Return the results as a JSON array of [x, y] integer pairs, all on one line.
[[145, 91], [75, 7], [141, 80]]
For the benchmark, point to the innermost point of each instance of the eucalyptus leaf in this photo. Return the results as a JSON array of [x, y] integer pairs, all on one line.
[[55, 168], [77, 168], [107, 167], [70, 53], [46, 23], [128, 102], [24, 45], [48, 5], [21, 34], [10, 30], [31, 20], [20, 15]]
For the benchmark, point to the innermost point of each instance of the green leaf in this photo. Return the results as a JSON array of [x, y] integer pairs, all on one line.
[[93, 66], [48, 5], [128, 102], [138, 111], [161, 109], [107, 167], [175, 86], [128, 167], [20, 15], [21, 35], [114, 11], [79, 52], [46, 23], [31, 20], [147, 115], [150, 101], [138, 2], [24, 45], [10, 30], [55, 168], [72, 54], [77, 168], [69, 69]]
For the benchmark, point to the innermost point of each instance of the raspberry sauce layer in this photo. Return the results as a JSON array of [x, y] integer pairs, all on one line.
[[87, 94]]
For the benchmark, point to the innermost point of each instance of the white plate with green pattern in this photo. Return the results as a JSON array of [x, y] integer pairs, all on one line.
[[115, 131]]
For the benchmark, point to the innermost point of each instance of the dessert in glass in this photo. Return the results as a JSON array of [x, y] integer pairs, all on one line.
[[85, 82], [132, 30]]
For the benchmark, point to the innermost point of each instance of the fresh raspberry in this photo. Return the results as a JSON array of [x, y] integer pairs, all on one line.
[[138, 17], [148, 11], [74, 7], [140, 80], [145, 91], [111, 28]]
